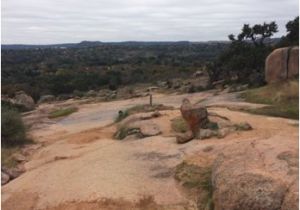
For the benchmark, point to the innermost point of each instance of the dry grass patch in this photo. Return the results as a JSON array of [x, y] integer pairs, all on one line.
[[179, 125], [62, 112], [282, 97]]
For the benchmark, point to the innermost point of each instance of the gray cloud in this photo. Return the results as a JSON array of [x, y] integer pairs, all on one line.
[[60, 21]]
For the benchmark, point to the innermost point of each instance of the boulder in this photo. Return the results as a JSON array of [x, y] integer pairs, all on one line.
[[243, 126], [282, 64], [19, 157], [195, 115], [103, 92], [4, 178], [14, 172], [22, 99], [91, 93], [207, 133], [198, 73], [46, 99], [149, 129], [152, 88], [162, 84]]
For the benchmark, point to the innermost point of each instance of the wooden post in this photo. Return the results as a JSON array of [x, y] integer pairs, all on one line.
[[150, 99]]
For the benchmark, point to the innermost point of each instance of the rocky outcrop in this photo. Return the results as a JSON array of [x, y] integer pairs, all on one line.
[[21, 100], [282, 64], [138, 125], [243, 179], [195, 115]]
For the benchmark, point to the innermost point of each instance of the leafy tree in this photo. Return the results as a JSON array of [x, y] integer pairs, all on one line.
[[293, 30], [243, 61], [292, 37], [257, 33]]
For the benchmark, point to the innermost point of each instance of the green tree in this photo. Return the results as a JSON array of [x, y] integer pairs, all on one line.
[[257, 33]]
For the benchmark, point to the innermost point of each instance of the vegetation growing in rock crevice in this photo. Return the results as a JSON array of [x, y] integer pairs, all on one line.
[[62, 112], [179, 125], [198, 179], [140, 109]]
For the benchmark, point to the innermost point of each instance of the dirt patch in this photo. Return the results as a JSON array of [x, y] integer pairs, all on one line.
[[91, 135]]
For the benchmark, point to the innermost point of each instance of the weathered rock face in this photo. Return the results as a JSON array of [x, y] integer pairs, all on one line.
[[196, 116], [282, 64], [243, 179], [22, 99]]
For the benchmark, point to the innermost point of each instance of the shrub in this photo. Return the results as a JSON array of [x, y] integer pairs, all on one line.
[[12, 126], [179, 125]]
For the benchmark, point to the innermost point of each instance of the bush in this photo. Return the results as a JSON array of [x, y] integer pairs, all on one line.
[[179, 125], [13, 129]]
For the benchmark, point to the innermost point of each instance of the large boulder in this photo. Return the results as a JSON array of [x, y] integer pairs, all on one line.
[[22, 99], [195, 115], [46, 99], [282, 64]]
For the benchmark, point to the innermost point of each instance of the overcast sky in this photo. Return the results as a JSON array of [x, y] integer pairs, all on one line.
[[62, 21]]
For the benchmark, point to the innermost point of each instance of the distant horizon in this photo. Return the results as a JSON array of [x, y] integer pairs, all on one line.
[[61, 43], [36, 22]]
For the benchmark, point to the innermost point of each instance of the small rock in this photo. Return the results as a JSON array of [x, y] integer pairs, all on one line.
[[207, 133], [19, 157], [22, 99], [91, 93], [4, 178], [223, 132], [185, 137], [149, 129], [15, 172], [46, 99], [244, 126]]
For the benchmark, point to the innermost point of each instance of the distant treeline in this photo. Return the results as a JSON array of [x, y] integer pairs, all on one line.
[[62, 69]]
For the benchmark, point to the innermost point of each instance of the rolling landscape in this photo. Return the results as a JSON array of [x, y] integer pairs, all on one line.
[[151, 125]]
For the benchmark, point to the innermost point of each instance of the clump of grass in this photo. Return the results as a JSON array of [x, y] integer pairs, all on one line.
[[62, 112], [123, 131], [139, 109], [179, 125], [282, 97], [6, 156], [121, 115], [197, 178]]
